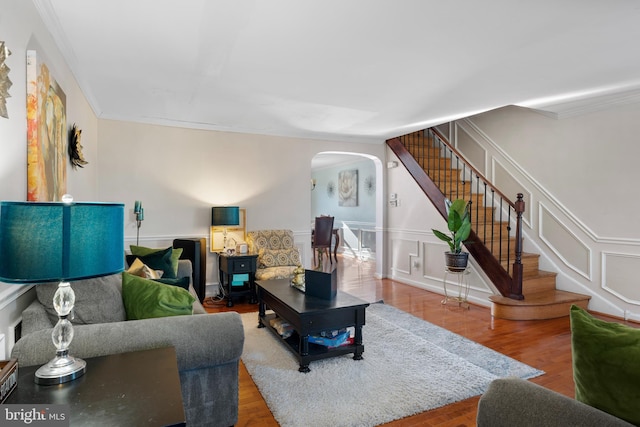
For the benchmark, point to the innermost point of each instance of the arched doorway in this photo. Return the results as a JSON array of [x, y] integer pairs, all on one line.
[[358, 214]]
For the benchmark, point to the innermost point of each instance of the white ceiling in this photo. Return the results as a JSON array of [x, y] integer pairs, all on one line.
[[349, 70]]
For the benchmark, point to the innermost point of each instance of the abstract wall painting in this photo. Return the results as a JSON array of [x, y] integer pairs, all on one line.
[[348, 188], [46, 133]]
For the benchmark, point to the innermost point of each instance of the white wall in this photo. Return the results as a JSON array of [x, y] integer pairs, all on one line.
[[179, 174], [588, 162], [23, 30]]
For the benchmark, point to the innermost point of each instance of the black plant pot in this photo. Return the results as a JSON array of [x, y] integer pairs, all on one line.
[[456, 262]]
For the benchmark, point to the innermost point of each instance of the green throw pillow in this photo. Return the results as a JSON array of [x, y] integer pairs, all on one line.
[[145, 298], [160, 260], [606, 361], [141, 251]]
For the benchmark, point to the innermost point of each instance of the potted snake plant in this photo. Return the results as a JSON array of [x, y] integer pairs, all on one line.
[[459, 225]]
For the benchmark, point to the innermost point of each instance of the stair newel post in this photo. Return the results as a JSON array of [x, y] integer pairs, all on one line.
[[516, 286]]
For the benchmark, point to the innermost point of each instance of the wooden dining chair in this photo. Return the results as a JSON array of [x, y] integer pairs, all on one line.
[[322, 233]]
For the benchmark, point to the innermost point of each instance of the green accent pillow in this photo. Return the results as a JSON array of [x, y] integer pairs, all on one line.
[[160, 260], [145, 298], [142, 251], [606, 361]]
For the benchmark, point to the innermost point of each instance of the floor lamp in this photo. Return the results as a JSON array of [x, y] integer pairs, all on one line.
[[60, 242]]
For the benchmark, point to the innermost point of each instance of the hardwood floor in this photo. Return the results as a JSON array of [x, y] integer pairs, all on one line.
[[543, 344]]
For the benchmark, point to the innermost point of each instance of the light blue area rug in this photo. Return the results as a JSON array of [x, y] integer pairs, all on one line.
[[409, 366]]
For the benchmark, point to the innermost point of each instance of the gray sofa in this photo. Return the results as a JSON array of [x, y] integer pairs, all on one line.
[[515, 402], [208, 346]]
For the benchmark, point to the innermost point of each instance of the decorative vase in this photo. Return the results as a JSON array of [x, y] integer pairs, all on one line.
[[456, 262], [298, 280]]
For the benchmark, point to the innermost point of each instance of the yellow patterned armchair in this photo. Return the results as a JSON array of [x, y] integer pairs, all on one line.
[[277, 255]]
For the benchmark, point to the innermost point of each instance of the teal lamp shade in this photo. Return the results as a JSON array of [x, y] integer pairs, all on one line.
[[47, 242], [225, 216], [60, 242]]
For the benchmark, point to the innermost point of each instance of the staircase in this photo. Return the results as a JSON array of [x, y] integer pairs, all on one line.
[[525, 291]]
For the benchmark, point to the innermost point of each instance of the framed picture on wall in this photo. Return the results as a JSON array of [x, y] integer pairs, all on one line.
[[46, 133], [348, 188], [235, 234]]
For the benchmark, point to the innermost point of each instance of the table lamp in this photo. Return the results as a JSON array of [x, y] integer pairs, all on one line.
[[225, 216], [60, 242]]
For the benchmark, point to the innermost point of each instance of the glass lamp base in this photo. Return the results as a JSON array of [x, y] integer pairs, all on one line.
[[60, 369]]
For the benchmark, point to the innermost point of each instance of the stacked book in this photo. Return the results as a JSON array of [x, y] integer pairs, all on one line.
[[332, 339], [239, 279]]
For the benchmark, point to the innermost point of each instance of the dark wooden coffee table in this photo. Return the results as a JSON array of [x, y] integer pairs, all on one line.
[[309, 316], [140, 388]]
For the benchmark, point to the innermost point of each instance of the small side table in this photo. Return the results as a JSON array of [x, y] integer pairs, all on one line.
[[140, 388], [238, 264], [462, 282]]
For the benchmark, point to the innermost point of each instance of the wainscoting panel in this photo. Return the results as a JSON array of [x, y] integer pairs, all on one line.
[[510, 187], [620, 276], [402, 254], [444, 129], [473, 152], [417, 259], [433, 259], [566, 245]]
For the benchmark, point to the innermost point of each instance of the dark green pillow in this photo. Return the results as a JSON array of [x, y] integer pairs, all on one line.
[[182, 282], [143, 251], [160, 260], [606, 365], [145, 298]]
